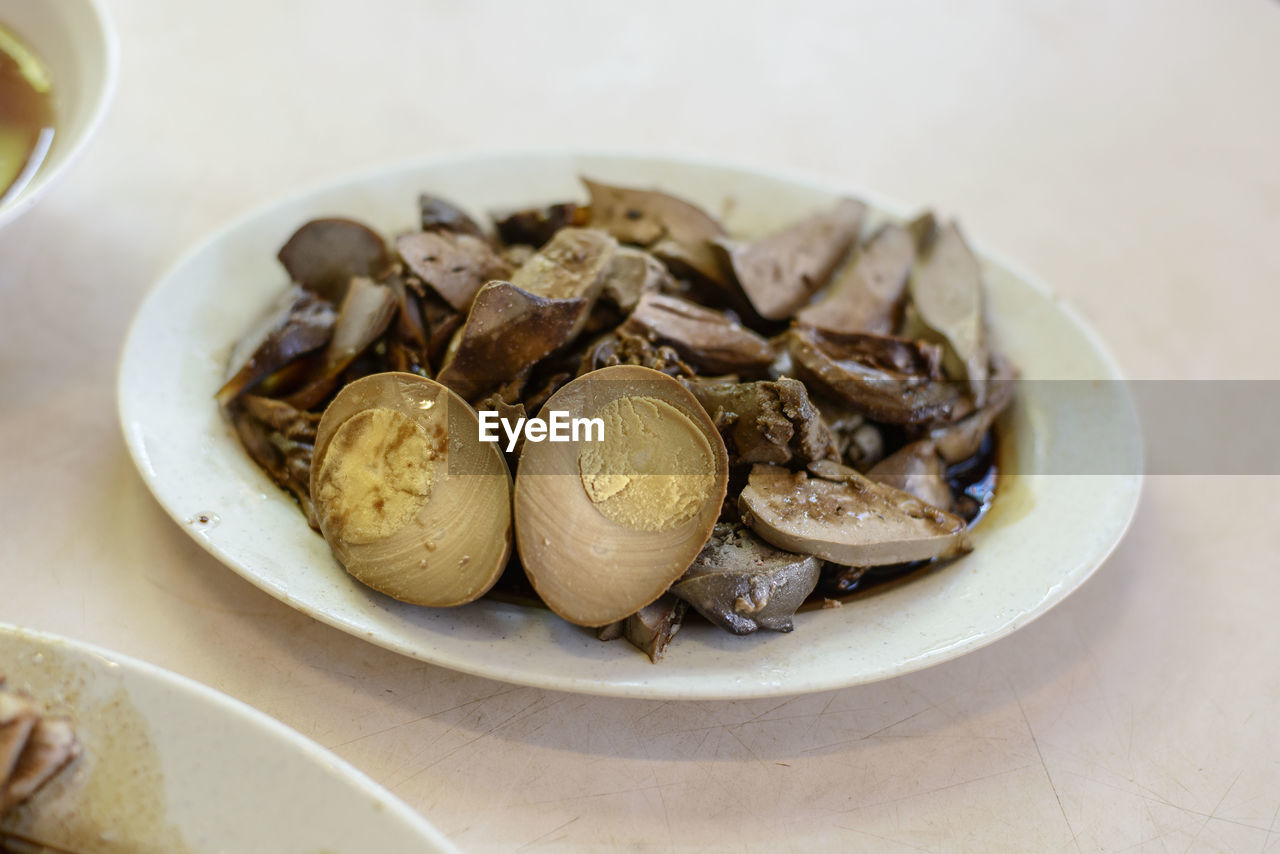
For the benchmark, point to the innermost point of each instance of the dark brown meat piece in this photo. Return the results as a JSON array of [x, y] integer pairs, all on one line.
[[365, 313], [453, 265], [916, 468], [295, 424], [439, 214], [439, 320], [766, 422], [674, 230], [507, 332], [570, 267], [947, 301], [633, 273], [868, 294], [780, 272], [299, 323], [961, 440], [326, 254], [894, 380], [844, 517], [709, 340], [536, 226], [741, 583], [651, 629], [286, 461], [408, 342]]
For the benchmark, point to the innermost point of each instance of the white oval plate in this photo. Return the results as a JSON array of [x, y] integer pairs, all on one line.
[[171, 766], [1044, 537]]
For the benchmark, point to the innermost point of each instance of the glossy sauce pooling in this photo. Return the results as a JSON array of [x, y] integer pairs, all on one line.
[[26, 114]]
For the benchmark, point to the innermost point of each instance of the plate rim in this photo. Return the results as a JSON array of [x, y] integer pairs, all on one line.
[[213, 698], [1132, 482]]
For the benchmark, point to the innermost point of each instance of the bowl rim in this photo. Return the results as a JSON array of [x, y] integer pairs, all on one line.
[[116, 669], [45, 178]]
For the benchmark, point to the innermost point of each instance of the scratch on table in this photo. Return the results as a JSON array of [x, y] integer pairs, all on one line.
[[746, 747], [1036, 742], [1214, 811], [785, 702], [1274, 816], [933, 791], [1149, 796], [662, 798], [1271, 828], [421, 718], [871, 734], [911, 716], [662, 705], [1146, 807], [749, 721], [537, 839], [464, 745], [882, 838], [612, 792]]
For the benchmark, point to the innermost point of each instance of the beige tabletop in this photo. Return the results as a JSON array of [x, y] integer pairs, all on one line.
[[1128, 153]]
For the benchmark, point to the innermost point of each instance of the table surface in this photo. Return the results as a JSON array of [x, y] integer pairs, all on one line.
[[1125, 152]]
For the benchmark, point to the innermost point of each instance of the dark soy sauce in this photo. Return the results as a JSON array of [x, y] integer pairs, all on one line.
[[973, 484]]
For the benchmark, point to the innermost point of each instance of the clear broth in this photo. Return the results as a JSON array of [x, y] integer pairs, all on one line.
[[26, 114]]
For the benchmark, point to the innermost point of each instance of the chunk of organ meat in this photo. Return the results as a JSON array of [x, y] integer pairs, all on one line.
[[571, 266], [365, 313], [285, 460], [507, 331], [651, 629], [324, 255], [947, 300], [299, 323], [709, 340], [633, 273], [961, 440], [439, 320], [455, 266], [676, 231], [844, 517], [767, 421], [741, 583], [536, 226], [296, 424], [442, 215], [868, 294], [781, 272], [918, 469], [894, 380], [408, 342]]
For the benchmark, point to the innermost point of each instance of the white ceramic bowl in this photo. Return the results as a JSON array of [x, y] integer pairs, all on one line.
[[76, 42], [167, 761]]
